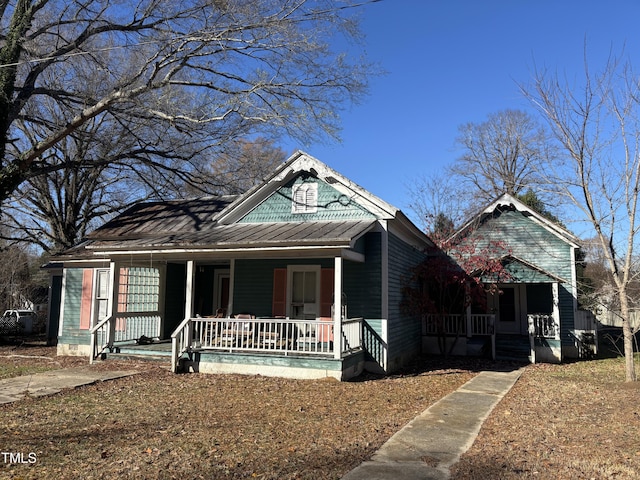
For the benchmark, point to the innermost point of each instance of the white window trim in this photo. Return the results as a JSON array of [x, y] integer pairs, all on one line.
[[95, 309], [303, 268]]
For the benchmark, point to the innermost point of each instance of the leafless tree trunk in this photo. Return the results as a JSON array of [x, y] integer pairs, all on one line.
[[598, 127]]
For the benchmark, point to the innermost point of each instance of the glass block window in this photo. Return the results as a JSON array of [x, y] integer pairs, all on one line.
[[138, 289], [305, 198]]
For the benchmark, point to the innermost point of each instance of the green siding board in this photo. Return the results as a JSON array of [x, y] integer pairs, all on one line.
[[523, 238], [404, 331], [332, 205], [363, 281], [362, 284], [71, 333], [565, 305], [253, 282]]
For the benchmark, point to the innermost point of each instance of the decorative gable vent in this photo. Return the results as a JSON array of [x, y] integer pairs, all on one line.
[[305, 198]]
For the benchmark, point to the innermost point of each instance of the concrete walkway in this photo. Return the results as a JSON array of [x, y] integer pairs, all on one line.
[[48, 383], [430, 444]]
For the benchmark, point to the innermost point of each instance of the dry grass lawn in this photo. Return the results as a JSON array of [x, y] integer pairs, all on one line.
[[160, 425], [573, 421]]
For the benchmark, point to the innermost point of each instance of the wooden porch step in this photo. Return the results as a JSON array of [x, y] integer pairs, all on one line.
[[513, 348], [137, 357], [154, 352]]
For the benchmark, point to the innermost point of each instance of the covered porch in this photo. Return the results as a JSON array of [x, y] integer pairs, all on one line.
[[257, 312], [522, 323]]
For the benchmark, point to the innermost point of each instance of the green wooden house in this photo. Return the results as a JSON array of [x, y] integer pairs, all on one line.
[[533, 312], [301, 276]]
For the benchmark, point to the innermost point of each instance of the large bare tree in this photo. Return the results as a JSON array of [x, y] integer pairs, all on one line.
[[209, 70], [597, 124], [435, 198], [503, 154], [240, 165]]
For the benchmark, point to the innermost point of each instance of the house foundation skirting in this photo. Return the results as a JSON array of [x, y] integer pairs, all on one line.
[[463, 346], [272, 366], [548, 350], [73, 350]]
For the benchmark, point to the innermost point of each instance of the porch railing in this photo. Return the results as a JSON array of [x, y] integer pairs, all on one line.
[[100, 338], [458, 324], [543, 326], [264, 335], [122, 328], [351, 335]]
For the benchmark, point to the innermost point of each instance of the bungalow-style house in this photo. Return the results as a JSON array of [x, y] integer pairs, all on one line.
[[534, 309], [301, 276]]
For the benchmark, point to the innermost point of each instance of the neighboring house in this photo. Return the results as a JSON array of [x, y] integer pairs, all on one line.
[[535, 311], [301, 276]]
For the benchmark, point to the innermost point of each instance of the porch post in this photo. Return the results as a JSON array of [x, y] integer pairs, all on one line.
[[188, 306], [112, 307], [337, 309], [556, 309]]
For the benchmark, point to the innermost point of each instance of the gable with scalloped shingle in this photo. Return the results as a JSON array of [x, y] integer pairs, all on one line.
[[331, 204]]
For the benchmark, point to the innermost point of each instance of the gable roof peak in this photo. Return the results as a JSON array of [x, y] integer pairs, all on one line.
[[507, 201], [296, 164]]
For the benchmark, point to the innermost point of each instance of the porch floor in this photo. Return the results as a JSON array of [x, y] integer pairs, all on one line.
[[160, 349]]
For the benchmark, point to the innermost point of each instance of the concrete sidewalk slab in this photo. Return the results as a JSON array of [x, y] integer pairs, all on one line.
[[430, 444], [48, 383]]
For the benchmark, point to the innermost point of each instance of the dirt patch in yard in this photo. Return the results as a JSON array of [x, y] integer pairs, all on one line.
[[160, 425], [24, 358]]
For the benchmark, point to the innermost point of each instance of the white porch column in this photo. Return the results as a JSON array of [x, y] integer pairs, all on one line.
[[337, 309], [556, 309], [188, 304], [112, 307]]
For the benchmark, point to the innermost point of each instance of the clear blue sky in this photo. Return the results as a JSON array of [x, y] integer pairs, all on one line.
[[451, 62]]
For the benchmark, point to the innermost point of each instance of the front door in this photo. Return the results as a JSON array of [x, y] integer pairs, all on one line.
[[304, 297], [511, 310]]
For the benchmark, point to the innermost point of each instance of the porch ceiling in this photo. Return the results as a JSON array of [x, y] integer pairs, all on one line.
[[340, 234]]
